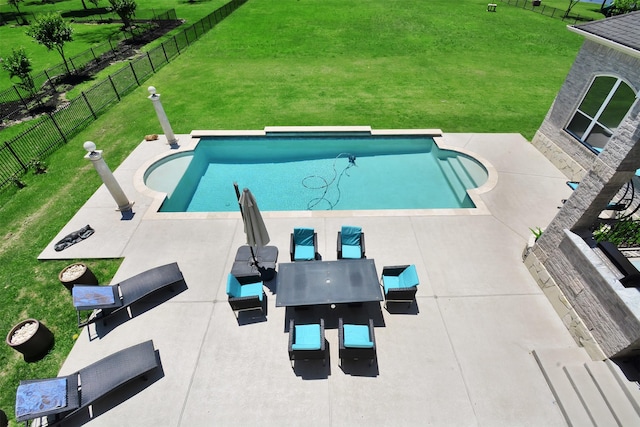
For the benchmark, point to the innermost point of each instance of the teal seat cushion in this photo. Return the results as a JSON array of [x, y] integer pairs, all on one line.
[[350, 235], [304, 253], [357, 336], [409, 277], [353, 252], [307, 337], [233, 286], [303, 236], [252, 290], [390, 282], [236, 290]]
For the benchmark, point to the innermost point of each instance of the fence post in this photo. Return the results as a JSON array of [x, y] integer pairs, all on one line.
[[49, 80], [151, 62], [177, 46], [114, 87], [134, 73], [88, 105], [13, 153], [64, 138], [165, 52]]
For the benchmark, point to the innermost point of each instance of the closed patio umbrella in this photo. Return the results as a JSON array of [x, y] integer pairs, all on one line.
[[254, 228]]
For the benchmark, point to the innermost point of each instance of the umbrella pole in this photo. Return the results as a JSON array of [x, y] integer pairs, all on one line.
[[253, 255], [235, 187]]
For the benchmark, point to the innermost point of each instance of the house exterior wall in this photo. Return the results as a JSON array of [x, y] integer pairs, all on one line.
[[594, 59], [569, 264]]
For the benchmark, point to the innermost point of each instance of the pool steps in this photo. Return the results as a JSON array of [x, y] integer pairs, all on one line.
[[590, 393], [458, 175]]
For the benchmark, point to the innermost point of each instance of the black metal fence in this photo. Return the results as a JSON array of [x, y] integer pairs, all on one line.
[[553, 12], [15, 100], [53, 130]]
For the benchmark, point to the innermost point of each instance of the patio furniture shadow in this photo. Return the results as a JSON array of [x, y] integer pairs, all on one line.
[[102, 328], [360, 312], [313, 369], [360, 368], [113, 399], [248, 317], [403, 307]]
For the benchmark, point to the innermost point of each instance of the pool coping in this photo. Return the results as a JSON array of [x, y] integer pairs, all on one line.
[[190, 144]]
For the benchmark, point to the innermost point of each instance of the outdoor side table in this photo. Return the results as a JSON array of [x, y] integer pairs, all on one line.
[[244, 265]]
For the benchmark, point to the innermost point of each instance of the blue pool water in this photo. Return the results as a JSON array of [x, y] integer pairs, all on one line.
[[295, 173]]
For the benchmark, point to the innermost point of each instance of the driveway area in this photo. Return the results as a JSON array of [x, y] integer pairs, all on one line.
[[460, 356]]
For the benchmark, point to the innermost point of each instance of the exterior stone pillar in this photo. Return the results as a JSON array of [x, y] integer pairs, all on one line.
[[162, 116], [95, 156], [612, 169]]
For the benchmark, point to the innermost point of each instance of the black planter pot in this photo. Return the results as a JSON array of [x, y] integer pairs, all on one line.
[[4, 421], [37, 346], [86, 278]]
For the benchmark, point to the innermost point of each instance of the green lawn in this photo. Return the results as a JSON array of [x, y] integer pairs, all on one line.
[[384, 63]]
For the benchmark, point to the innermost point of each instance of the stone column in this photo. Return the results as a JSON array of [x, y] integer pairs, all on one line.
[[124, 205], [162, 116], [612, 169]]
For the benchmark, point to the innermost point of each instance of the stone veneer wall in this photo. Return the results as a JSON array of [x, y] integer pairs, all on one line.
[[569, 155], [567, 269]]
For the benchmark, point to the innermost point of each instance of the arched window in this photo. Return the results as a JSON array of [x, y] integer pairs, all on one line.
[[601, 111]]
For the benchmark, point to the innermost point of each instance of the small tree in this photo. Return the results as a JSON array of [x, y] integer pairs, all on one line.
[[16, 4], [126, 10], [52, 32], [18, 65], [571, 4], [624, 6]]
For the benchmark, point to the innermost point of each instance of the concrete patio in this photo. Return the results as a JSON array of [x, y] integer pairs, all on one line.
[[461, 358]]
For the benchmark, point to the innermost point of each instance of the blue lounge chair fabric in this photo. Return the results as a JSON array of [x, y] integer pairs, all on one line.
[[304, 244], [89, 384], [307, 337], [357, 336]]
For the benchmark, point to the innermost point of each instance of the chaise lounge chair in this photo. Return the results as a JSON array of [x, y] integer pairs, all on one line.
[[351, 243], [69, 394], [113, 298]]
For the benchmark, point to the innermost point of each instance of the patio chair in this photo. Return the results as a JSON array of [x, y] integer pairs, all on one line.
[[356, 341], [351, 243], [307, 342], [105, 301], [400, 283], [303, 244], [246, 293], [69, 394]]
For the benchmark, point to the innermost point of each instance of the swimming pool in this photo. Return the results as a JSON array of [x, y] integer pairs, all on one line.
[[298, 171]]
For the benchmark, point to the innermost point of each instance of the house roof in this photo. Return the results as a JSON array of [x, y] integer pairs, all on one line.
[[623, 30]]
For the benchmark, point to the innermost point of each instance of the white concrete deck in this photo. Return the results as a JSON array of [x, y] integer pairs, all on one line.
[[462, 358]]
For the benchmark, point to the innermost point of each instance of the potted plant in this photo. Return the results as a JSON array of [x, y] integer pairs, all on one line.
[[31, 338]]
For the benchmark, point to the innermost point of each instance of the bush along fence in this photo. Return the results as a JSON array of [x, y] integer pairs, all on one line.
[[53, 130], [553, 12], [16, 100]]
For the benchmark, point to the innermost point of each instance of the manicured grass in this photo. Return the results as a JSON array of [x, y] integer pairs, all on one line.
[[384, 63], [85, 36]]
